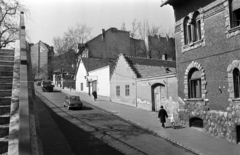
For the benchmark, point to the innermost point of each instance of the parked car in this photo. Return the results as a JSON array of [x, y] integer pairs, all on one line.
[[72, 101], [38, 83], [47, 85]]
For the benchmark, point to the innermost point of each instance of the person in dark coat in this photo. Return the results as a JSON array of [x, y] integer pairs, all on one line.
[[162, 115], [94, 93]]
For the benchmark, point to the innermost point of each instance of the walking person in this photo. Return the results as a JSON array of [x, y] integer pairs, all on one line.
[[172, 120], [162, 115], [94, 93]]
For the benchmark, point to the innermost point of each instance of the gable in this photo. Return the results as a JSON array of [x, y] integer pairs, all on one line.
[[122, 70], [81, 70]]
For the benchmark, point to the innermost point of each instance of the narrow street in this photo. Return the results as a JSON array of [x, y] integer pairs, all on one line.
[[93, 131]]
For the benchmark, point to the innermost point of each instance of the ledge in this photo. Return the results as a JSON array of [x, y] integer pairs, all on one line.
[[234, 29], [194, 99], [236, 99]]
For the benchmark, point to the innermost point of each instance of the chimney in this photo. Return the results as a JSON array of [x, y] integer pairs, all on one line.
[[103, 34]]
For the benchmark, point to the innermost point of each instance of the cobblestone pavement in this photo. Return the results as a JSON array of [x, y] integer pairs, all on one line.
[[105, 128]]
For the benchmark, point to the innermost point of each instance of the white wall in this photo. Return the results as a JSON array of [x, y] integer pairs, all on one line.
[[80, 78], [103, 83]]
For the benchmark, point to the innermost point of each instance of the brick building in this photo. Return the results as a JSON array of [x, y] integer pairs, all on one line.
[[161, 47], [41, 57], [110, 43], [207, 39]]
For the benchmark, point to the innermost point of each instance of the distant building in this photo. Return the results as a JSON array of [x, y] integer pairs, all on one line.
[[161, 48], [41, 57], [144, 83], [111, 43], [207, 37]]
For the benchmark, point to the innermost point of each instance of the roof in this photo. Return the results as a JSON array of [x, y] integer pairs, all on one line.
[[172, 2], [95, 63], [144, 67], [100, 35]]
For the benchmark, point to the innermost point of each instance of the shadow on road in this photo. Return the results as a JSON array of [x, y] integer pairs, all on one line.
[[80, 141], [56, 91]]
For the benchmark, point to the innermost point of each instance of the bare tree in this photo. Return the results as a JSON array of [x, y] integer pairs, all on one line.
[[133, 32], [9, 18], [80, 33], [58, 44]]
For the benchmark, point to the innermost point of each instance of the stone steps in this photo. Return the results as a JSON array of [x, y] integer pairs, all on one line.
[[6, 79], [8, 63], [6, 73], [6, 58], [6, 68], [5, 86], [6, 93], [5, 101]]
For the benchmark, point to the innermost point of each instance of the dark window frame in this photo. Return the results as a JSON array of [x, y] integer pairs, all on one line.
[[194, 86], [236, 82], [117, 90], [192, 29], [81, 86], [127, 90], [234, 15]]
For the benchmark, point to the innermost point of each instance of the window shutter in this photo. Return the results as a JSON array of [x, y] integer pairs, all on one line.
[[235, 4]]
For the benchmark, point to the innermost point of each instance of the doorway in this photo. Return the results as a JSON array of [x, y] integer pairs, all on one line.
[[196, 122], [238, 133], [158, 96], [94, 86]]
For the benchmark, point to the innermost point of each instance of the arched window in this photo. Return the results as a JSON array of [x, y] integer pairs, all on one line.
[[234, 11], [236, 83], [194, 84], [197, 26], [187, 30]]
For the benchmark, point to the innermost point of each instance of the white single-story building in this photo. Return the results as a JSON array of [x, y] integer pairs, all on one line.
[[94, 75]]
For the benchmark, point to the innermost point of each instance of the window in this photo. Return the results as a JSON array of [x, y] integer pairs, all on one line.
[[234, 8], [194, 84], [186, 30], [197, 26], [127, 92], [164, 57], [192, 28], [236, 83], [118, 90], [81, 86]]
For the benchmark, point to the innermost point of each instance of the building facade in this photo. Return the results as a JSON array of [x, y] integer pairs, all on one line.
[[144, 83], [94, 75], [161, 47], [111, 43], [41, 57], [207, 39]]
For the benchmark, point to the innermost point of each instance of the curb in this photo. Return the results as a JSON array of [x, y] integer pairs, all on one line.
[[141, 126]]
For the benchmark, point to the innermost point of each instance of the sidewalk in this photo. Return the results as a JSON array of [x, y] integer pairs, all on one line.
[[190, 138]]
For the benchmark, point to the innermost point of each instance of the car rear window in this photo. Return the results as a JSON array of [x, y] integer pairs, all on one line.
[[74, 98]]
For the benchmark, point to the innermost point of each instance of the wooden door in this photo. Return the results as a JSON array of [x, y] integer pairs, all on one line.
[[159, 97]]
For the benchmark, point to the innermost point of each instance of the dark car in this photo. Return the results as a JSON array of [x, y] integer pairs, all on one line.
[[72, 101], [38, 83]]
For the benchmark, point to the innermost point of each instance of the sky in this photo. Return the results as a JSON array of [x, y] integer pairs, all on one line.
[[51, 18]]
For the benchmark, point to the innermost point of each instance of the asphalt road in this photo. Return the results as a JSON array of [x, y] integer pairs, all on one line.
[[96, 132]]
